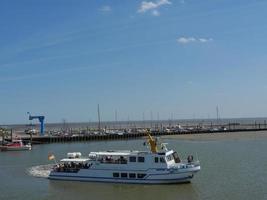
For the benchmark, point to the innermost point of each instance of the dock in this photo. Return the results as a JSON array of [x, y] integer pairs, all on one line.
[[75, 133], [126, 136]]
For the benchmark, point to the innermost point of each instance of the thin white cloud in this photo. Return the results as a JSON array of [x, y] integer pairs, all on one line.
[[186, 40], [152, 6], [105, 8], [203, 40], [49, 73]]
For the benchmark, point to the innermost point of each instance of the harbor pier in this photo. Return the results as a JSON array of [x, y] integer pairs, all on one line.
[[126, 136], [124, 131]]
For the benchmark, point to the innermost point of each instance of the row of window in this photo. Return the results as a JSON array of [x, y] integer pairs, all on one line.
[[126, 175], [139, 159], [142, 159], [159, 159]]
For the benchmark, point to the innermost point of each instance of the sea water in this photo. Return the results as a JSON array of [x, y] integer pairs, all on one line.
[[230, 169]]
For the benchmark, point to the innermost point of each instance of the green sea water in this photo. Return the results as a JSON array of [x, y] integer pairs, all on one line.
[[231, 169]]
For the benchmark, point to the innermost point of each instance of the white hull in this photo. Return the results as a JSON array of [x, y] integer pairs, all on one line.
[[7, 148], [152, 177]]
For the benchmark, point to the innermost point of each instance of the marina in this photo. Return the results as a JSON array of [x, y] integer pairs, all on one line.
[[75, 132]]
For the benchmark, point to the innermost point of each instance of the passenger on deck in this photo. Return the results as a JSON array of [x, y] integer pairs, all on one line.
[[190, 158]]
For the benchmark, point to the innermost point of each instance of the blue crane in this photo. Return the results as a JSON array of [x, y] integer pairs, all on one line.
[[41, 120]]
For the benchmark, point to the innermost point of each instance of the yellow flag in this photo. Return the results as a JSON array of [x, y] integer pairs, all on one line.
[[51, 157]]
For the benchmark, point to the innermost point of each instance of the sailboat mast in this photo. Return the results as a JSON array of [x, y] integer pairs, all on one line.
[[98, 112]]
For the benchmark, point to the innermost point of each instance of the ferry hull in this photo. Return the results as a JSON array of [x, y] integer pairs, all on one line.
[[102, 176]]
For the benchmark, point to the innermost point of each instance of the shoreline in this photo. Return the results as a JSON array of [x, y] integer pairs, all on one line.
[[219, 136], [215, 136]]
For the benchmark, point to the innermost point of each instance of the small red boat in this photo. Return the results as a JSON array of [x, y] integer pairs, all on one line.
[[15, 145]]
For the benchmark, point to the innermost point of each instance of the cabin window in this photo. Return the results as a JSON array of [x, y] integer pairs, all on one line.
[[124, 175], [169, 157], [132, 159], [162, 160], [131, 175], [141, 175], [176, 157], [122, 160], [156, 159], [116, 175], [141, 159]]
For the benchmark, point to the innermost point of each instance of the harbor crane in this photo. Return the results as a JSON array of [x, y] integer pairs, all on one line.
[[41, 120]]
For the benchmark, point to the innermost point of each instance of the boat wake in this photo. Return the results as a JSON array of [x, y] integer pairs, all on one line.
[[41, 171]]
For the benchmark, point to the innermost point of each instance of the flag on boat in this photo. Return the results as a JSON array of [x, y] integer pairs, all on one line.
[[51, 157]]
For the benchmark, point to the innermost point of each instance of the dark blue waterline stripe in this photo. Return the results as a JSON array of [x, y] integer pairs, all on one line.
[[120, 179], [120, 182]]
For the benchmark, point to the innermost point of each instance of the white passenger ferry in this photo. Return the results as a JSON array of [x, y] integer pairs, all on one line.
[[147, 167]]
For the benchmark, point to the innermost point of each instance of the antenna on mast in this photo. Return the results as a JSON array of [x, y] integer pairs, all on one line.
[[218, 115]]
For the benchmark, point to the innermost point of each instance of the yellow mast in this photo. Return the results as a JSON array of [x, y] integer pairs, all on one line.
[[152, 143]]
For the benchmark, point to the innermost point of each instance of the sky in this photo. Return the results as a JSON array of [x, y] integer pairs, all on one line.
[[157, 59]]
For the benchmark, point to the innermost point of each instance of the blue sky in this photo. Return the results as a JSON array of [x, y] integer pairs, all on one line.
[[169, 58]]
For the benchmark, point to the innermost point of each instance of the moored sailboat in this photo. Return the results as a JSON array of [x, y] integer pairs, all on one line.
[[15, 145]]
